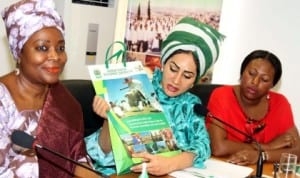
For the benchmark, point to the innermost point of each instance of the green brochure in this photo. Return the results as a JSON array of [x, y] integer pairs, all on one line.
[[136, 120]]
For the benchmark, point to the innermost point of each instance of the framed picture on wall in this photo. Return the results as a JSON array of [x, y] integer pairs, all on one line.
[[103, 3], [148, 22]]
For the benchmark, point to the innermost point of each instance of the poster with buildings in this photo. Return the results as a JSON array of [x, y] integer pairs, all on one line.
[[148, 22]]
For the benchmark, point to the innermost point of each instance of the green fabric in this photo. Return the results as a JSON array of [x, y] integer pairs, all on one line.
[[102, 162], [188, 128], [191, 35]]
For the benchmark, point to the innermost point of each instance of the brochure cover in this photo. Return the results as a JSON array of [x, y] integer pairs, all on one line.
[[136, 120]]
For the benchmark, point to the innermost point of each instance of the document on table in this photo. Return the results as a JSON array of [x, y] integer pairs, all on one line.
[[214, 169]]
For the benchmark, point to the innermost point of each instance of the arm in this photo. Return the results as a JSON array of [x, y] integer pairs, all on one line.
[[5, 161], [100, 107], [288, 142], [98, 144], [220, 145], [281, 135], [285, 134], [81, 172], [104, 138], [240, 153], [9, 160], [222, 103]]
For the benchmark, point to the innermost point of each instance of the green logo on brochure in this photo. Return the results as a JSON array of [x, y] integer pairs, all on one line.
[[97, 73]]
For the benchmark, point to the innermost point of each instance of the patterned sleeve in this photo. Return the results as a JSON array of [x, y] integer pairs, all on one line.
[[193, 136], [12, 164], [5, 143], [103, 163], [4, 151], [199, 139]]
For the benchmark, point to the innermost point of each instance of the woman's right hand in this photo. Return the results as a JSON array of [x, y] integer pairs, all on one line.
[[100, 106]]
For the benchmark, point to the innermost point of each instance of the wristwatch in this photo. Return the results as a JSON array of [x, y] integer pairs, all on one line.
[[265, 156]]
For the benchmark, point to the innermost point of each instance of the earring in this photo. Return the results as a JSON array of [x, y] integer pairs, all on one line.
[[268, 96], [17, 70]]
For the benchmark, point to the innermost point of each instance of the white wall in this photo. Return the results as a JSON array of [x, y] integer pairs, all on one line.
[[7, 62], [77, 17], [262, 24]]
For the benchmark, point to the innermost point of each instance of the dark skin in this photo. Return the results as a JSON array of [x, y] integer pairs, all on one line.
[[256, 81], [42, 60]]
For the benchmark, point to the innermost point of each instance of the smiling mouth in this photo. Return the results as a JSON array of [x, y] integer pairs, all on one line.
[[53, 70]]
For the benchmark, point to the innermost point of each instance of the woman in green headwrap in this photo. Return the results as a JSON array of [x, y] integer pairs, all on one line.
[[187, 53], [35, 108]]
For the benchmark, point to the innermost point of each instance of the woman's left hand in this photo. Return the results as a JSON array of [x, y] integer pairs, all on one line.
[[286, 140], [244, 157], [156, 165]]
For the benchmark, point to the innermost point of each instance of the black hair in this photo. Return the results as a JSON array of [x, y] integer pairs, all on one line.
[[266, 55]]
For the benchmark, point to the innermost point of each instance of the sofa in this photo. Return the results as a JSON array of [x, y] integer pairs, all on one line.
[[84, 92]]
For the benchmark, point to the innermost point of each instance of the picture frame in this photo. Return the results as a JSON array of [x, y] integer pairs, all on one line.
[[148, 22], [102, 3]]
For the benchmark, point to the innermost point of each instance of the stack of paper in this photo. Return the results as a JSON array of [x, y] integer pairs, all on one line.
[[214, 169]]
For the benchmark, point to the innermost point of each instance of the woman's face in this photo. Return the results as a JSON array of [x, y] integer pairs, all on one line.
[[257, 79], [43, 56], [179, 74]]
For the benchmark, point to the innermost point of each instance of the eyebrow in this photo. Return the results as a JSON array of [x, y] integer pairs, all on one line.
[[185, 71], [263, 74], [48, 41]]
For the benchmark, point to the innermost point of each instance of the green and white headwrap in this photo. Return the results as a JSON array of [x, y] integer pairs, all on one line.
[[191, 35]]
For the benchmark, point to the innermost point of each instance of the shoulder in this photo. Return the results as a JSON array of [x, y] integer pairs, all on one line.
[[224, 88], [278, 98], [186, 102], [2, 88], [8, 82], [4, 93], [190, 98], [223, 91], [222, 96]]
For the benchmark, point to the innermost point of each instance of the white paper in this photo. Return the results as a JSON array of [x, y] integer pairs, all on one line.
[[214, 169]]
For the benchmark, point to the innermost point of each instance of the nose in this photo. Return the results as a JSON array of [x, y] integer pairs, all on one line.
[[177, 78], [255, 80], [52, 55]]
